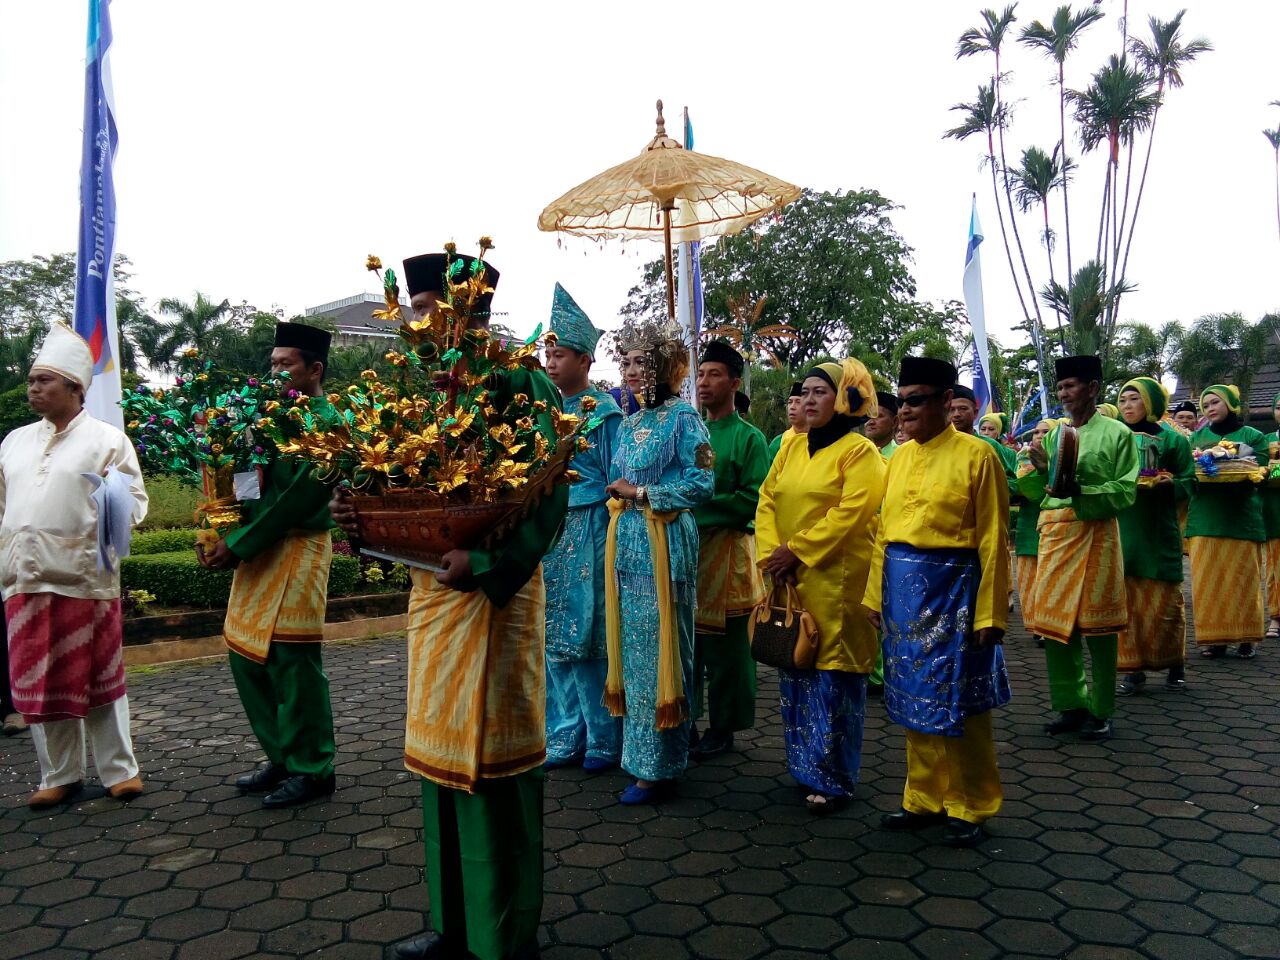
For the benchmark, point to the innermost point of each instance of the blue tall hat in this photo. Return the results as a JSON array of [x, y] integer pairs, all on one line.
[[571, 325]]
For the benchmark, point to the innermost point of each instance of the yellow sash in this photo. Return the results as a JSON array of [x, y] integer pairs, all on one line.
[[1079, 578], [280, 595], [673, 707]]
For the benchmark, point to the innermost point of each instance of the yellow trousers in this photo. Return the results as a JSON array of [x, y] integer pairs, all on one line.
[[957, 775]]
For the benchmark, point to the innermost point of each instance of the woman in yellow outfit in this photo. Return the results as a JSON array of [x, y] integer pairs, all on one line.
[[814, 528]]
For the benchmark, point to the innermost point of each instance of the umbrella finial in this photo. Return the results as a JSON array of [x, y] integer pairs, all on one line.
[[662, 124]]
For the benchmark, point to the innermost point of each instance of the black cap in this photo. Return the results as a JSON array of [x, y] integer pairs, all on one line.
[[797, 389], [425, 274], [741, 403], [961, 392], [1083, 367], [1186, 406], [887, 401], [302, 337], [719, 351], [926, 371]]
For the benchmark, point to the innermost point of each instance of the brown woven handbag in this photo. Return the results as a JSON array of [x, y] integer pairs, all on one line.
[[783, 635]]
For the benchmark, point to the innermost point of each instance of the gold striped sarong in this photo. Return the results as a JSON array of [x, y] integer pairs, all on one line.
[[1226, 590], [1079, 584], [729, 582], [1273, 578], [1026, 569], [1157, 633], [280, 595], [477, 687]]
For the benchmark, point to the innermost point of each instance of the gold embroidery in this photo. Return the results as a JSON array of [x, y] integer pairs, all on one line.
[[704, 457]]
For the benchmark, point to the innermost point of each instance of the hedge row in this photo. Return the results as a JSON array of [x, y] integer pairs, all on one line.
[[177, 579], [175, 541]]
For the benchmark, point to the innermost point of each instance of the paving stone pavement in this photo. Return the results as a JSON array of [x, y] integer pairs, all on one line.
[[1163, 843]]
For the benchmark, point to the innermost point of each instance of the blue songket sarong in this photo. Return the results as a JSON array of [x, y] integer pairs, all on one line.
[[822, 713], [933, 676], [578, 723]]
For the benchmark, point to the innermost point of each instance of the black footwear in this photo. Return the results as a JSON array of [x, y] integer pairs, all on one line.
[[1131, 684], [266, 777], [1177, 679], [712, 742], [429, 946], [527, 952], [694, 737], [1246, 651], [961, 833], [299, 789], [1040, 641], [1069, 721], [1096, 729], [875, 691], [906, 820]]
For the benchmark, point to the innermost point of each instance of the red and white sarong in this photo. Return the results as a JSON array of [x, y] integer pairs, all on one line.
[[65, 655]]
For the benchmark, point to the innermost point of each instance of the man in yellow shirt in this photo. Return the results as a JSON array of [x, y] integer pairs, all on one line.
[[937, 589]]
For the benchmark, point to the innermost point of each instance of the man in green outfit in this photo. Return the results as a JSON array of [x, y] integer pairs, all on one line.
[[881, 428], [795, 422], [729, 582], [1079, 595], [275, 616], [475, 726]]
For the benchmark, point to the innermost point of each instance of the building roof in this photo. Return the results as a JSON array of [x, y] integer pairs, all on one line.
[[353, 316], [1262, 392]]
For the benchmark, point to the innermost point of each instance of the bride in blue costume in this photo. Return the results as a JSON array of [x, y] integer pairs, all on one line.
[[662, 469]]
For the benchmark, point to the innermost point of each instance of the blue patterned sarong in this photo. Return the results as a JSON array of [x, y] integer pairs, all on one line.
[[933, 677], [822, 713]]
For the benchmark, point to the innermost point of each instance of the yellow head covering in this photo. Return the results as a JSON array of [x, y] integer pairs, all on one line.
[[851, 374], [1001, 420], [1229, 393], [1109, 410], [1154, 396]]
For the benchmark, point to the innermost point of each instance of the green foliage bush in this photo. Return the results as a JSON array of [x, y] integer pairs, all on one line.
[[14, 410], [172, 504], [177, 579], [148, 542]]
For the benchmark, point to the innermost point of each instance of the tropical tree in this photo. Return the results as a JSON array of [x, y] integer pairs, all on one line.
[[1056, 41], [1033, 181], [200, 324], [1163, 57], [750, 335], [1139, 350], [1273, 137], [1085, 304], [1227, 348]]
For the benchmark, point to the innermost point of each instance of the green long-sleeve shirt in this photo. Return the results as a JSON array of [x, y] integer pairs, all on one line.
[[1149, 530], [1232, 510], [501, 571], [742, 463], [1106, 471], [291, 500], [1270, 495]]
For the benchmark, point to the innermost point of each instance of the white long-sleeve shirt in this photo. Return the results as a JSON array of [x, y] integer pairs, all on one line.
[[48, 519]]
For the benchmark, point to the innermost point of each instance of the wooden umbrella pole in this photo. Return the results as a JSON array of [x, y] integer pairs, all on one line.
[[671, 280]]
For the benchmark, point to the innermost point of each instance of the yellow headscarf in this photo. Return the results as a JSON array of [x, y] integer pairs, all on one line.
[[1154, 396], [1229, 393], [1001, 420], [852, 374], [1109, 410]]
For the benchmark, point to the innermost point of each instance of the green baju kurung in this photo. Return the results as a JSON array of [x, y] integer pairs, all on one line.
[[724, 660], [287, 698]]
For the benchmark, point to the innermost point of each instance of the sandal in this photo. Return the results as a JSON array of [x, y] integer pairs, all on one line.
[[1273, 629], [821, 804], [1214, 652], [1131, 684], [1246, 651]]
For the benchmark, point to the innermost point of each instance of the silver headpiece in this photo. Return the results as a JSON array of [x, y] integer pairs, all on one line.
[[662, 339]]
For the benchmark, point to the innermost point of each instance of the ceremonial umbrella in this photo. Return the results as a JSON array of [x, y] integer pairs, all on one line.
[[671, 192]]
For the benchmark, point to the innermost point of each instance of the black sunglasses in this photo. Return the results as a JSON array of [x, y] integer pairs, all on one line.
[[919, 399]]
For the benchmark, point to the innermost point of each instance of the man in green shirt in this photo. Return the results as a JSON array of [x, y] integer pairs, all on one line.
[[1079, 589], [275, 616], [729, 582], [881, 428], [795, 422]]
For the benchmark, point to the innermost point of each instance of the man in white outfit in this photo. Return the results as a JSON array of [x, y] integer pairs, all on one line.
[[62, 601]]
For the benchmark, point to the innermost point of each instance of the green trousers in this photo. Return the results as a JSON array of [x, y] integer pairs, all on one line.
[[1068, 687], [484, 863], [287, 702], [724, 662]]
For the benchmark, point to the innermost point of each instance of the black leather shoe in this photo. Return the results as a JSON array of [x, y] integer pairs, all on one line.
[[429, 946], [266, 777], [1069, 721], [906, 820], [299, 789], [961, 833], [712, 742], [1096, 730]]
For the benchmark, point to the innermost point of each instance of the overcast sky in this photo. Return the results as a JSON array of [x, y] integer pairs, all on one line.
[[267, 148]]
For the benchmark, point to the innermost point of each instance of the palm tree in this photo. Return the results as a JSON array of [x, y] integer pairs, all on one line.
[[1273, 137], [1056, 41], [198, 324], [1113, 109], [1163, 58], [748, 334], [1033, 181], [1086, 303]]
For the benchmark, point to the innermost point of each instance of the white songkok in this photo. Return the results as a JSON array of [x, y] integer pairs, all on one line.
[[65, 353]]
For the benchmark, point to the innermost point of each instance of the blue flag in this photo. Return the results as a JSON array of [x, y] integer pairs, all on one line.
[[95, 309], [977, 314]]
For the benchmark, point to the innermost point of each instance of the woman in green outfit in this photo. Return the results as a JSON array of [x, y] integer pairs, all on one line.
[[1226, 532], [1151, 539], [1271, 525]]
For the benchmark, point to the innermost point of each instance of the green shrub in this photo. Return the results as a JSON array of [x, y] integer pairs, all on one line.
[[172, 504], [177, 579], [163, 541]]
